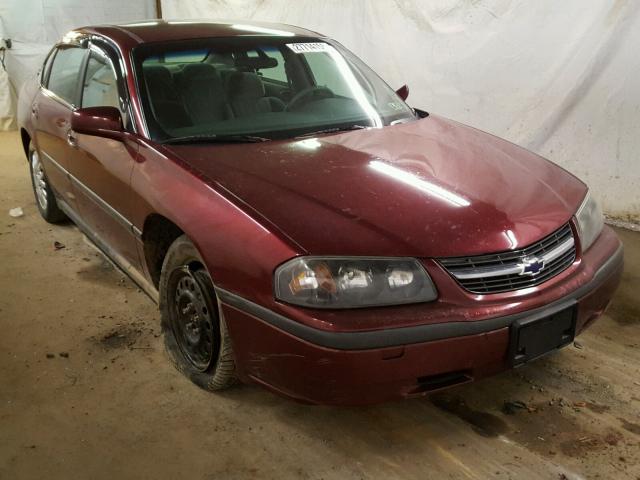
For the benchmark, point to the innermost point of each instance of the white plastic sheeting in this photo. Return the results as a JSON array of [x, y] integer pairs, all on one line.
[[35, 25], [7, 110], [7, 116], [560, 78]]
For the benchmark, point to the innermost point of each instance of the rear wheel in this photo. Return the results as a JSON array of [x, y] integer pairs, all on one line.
[[45, 199], [195, 333]]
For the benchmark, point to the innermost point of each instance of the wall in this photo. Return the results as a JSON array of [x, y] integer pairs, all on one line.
[[560, 78]]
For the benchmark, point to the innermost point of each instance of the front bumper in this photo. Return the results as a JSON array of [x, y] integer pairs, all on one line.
[[363, 367]]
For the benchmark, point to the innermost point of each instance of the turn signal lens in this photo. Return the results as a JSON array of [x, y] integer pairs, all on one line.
[[315, 278], [305, 280], [348, 282], [590, 221]]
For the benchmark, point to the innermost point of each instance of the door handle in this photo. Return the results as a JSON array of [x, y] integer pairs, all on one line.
[[71, 139]]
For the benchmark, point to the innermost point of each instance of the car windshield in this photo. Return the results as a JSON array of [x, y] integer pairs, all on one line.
[[262, 86]]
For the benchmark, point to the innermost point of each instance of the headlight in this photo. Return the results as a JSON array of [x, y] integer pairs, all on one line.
[[350, 282], [590, 221]]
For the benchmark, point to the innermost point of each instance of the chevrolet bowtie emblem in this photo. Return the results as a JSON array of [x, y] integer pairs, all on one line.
[[531, 266]]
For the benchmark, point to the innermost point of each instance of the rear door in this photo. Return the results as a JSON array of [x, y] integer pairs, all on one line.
[[101, 167], [52, 109]]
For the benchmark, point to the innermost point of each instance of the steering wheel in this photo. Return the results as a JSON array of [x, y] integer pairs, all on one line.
[[307, 95]]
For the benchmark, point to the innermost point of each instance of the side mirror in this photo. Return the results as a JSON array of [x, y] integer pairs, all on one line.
[[98, 121], [403, 92]]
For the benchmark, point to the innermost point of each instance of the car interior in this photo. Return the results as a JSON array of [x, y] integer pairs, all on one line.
[[250, 90], [196, 93]]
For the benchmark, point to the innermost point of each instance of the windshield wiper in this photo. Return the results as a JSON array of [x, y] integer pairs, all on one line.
[[332, 130], [214, 139]]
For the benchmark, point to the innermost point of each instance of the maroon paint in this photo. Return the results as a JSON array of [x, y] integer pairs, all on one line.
[[356, 210], [250, 207], [52, 120], [103, 122], [315, 374]]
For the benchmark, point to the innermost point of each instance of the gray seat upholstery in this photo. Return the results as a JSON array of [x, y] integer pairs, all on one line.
[[204, 94], [165, 99], [160, 83], [247, 95]]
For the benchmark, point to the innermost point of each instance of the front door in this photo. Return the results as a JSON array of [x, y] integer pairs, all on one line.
[[101, 168]]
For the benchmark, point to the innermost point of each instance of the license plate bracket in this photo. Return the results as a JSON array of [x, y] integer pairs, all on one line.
[[533, 338]]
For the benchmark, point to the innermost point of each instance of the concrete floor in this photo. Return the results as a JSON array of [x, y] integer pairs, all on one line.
[[115, 408]]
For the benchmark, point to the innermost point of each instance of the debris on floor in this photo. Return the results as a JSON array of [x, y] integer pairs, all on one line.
[[124, 336], [16, 212], [58, 246], [511, 407]]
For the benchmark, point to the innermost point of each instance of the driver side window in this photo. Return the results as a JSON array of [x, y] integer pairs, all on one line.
[[100, 87]]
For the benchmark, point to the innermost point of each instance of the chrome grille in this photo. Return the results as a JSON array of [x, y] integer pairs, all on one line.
[[508, 271]]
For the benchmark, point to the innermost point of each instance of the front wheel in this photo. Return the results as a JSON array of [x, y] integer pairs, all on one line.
[[45, 199], [195, 333]]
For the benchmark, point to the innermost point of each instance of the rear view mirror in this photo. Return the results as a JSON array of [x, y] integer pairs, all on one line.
[[255, 63], [98, 121], [403, 92]]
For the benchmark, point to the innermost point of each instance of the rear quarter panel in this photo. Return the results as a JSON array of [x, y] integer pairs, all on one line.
[[26, 97]]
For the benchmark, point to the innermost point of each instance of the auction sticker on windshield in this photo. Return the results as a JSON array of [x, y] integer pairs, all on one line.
[[309, 47]]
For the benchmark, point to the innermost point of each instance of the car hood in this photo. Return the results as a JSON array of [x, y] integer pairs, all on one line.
[[428, 188]]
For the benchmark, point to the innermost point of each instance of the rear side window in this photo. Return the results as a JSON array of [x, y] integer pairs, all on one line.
[[63, 78], [100, 87]]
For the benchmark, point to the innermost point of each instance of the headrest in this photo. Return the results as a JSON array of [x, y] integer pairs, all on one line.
[[193, 70], [245, 85], [157, 74], [255, 63]]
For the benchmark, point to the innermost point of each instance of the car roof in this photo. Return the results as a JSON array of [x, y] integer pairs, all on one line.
[[167, 30]]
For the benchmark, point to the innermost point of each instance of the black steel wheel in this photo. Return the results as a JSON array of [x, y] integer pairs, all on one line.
[[195, 332], [194, 321]]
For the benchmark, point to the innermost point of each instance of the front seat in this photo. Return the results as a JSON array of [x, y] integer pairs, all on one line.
[[203, 93], [165, 100], [247, 95]]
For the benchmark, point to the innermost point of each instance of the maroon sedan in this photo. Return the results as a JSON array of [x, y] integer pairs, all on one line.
[[299, 224]]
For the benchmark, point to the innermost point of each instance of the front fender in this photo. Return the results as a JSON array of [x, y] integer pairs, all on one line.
[[239, 250]]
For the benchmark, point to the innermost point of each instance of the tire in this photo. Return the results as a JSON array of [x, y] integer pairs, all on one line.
[[195, 333], [45, 199]]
